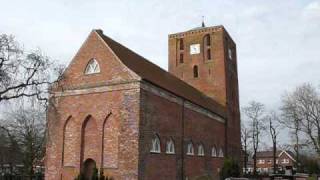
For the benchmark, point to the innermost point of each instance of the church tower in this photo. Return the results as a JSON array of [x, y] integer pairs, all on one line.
[[205, 57]]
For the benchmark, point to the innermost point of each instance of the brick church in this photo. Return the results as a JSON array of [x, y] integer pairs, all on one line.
[[116, 111]]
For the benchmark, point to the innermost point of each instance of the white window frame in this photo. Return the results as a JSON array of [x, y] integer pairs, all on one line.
[[170, 147], [214, 152], [156, 145], [221, 154], [200, 150], [92, 67], [190, 149]]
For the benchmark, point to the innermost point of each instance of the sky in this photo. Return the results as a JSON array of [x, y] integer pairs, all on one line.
[[277, 41]]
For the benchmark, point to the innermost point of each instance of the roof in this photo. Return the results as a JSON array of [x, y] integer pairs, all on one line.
[[159, 77], [265, 154], [268, 154]]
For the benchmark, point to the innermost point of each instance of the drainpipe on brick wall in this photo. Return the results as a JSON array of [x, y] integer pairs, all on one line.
[[182, 140]]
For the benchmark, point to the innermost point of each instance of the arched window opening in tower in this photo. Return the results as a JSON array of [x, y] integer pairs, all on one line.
[[195, 72], [181, 58], [209, 54], [207, 40], [181, 44]]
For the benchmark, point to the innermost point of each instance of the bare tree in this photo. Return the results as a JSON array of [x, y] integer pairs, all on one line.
[[245, 135], [26, 126], [273, 120], [254, 113], [301, 109], [22, 74]]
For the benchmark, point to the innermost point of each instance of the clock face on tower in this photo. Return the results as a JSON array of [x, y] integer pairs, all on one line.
[[194, 48]]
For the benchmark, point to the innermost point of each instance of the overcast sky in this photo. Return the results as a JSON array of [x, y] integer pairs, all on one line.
[[278, 41]]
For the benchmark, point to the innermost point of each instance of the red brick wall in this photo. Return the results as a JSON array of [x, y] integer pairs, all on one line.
[[89, 109], [163, 117], [218, 77], [212, 84]]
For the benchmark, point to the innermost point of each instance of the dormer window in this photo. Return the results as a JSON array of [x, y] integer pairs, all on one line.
[[92, 67]]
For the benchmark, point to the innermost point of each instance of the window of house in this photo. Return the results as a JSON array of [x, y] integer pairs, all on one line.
[[285, 161], [181, 58], [155, 145], [170, 147], [92, 67], [200, 150], [214, 152], [221, 154], [190, 150], [195, 72], [261, 161]]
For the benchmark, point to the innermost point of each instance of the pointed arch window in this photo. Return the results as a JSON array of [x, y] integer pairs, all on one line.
[[207, 40], [181, 44], [208, 54], [200, 150], [230, 53], [181, 58], [155, 148], [195, 71], [170, 147], [221, 154], [92, 67], [190, 150], [207, 47], [214, 152]]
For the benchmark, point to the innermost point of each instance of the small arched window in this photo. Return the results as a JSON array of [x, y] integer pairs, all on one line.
[[181, 58], [221, 153], [170, 147], [195, 72], [190, 150], [92, 67], [230, 53], [155, 145], [214, 152], [207, 40], [200, 150], [181, 44], [208, 54]]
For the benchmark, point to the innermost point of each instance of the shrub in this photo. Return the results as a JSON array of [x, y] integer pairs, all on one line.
[[230, 169]]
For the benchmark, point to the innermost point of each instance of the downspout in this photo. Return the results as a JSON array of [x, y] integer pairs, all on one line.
[[182, 140]]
